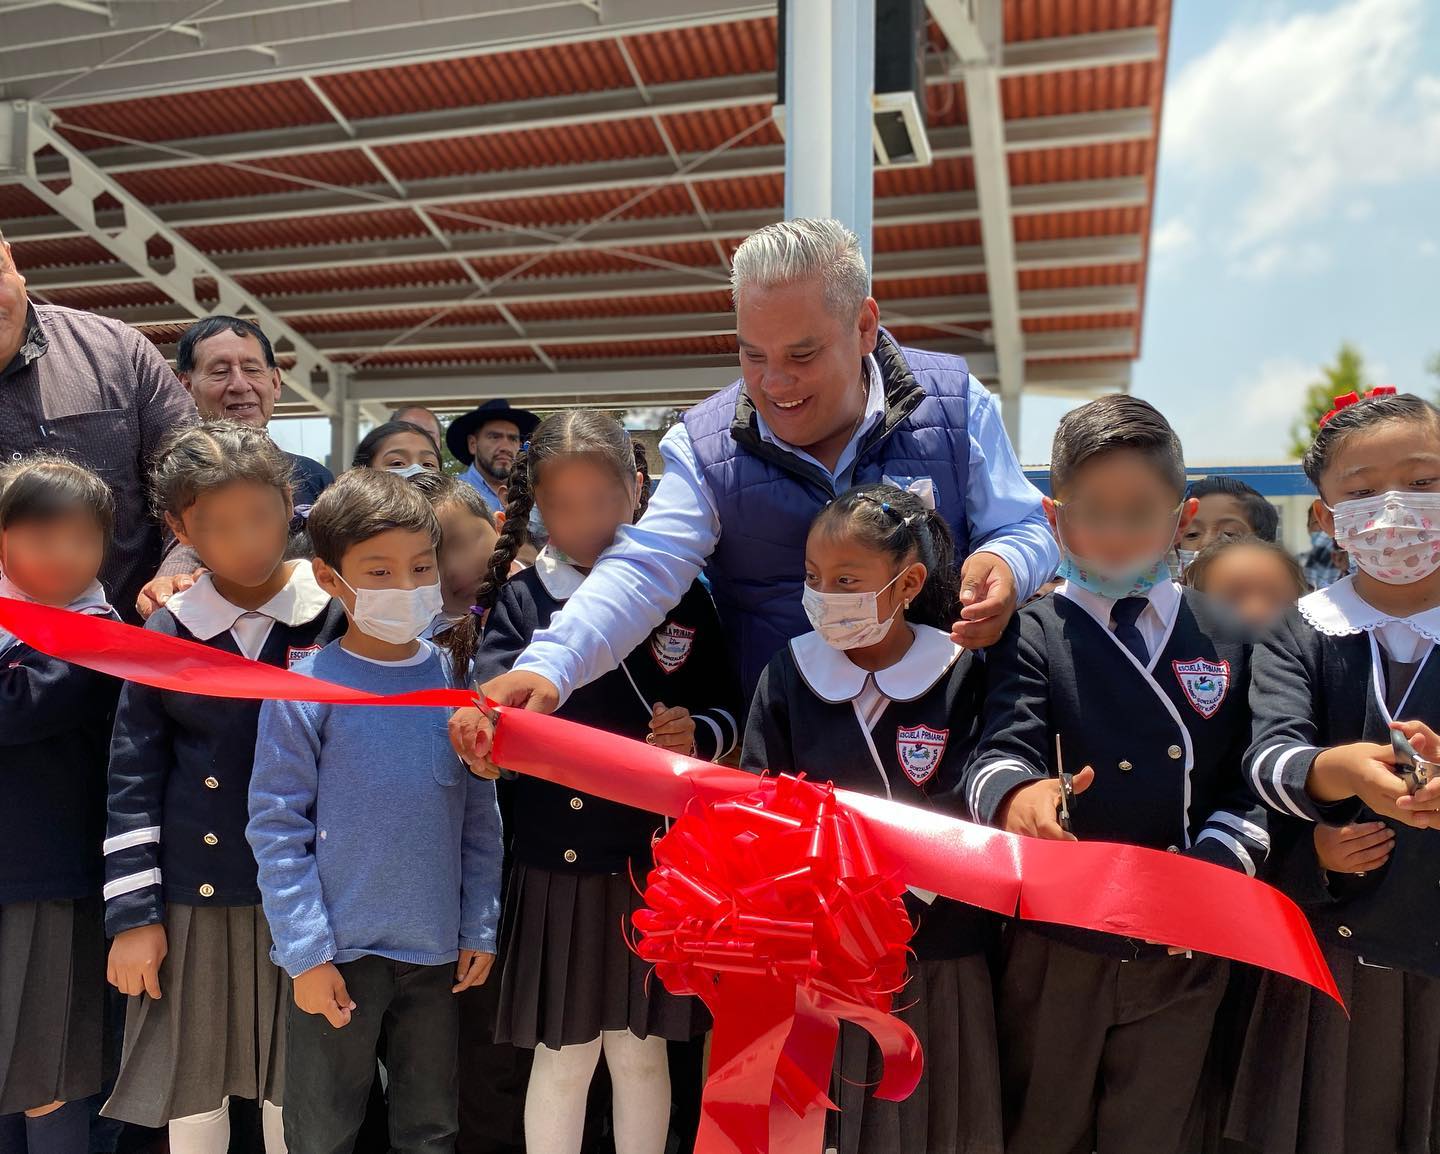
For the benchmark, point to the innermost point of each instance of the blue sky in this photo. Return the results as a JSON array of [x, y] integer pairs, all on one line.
[[1298, 205]]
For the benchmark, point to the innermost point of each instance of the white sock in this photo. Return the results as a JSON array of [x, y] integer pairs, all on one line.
[[640, 1077], [555, 1098], [272, 1122], [207, 1133]]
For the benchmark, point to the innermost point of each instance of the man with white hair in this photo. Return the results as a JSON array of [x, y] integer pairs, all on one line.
[[827, 399]]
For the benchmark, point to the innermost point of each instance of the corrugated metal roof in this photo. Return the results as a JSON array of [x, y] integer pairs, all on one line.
[[732, 49], [724, 49], [501, 77], [1045, 19], [245, 108], [539, 148]]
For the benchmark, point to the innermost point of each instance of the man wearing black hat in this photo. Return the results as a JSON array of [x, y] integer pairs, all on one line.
[[488, 440]]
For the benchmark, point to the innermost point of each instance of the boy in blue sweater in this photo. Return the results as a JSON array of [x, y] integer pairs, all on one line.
[[379, 854]]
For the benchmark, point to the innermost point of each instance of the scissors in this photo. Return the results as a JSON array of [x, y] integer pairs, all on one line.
[[1067, 790], [1413, 769]]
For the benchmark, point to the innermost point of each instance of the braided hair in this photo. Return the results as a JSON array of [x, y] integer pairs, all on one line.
[[896, 522], [576, 431]]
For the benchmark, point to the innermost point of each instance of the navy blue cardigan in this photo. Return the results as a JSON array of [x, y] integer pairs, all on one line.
[[55, 730]]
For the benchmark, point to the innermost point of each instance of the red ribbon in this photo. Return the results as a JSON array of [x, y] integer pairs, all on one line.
[[765, 1068], [770, 907], [1352, 398]]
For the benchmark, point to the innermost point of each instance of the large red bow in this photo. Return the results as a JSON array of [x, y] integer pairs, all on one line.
[[771, 908], [1119, 889], [1344, 402]]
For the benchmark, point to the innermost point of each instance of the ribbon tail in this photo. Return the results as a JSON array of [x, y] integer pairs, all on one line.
[[896, 1041], [753, 1018]]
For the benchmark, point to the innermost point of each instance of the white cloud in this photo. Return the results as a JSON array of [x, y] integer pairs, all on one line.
[[1260, 405], [1429, 249], [1172, 236], [1299, 258], [1300, 113]]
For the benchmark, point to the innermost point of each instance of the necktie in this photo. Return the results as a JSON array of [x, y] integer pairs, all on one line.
[[1122, 619]]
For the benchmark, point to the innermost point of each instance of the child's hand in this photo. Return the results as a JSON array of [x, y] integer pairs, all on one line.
[[1034, 809], [1367, 770], [321, 990], [135, 957], [1427, 744], [672, 728], [1354, 849], [472, 969]]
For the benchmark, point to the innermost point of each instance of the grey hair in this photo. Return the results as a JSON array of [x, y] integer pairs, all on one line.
[[804, 249]]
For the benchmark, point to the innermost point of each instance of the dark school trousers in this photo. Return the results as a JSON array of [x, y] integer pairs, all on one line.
[[1102, 1054], [329, 1072]]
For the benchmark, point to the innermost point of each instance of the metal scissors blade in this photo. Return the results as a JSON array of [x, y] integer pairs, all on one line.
[[1412, 769], [1067, 790], [491, 715]]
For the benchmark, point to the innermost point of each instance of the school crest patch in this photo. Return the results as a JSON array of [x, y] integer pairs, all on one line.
[[920, 749], [670, 645], [1204, 683], [297, 653]]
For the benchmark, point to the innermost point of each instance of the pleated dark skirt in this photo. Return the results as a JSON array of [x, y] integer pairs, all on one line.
[[218, 1028], [1312, 1082], [569, 973], [956, 1107], [52, 1002]]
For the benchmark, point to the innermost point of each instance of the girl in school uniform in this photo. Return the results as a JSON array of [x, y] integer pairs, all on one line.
[[55, 521], [570, 985], [1352, 661], [205, 1019], [879, 699]]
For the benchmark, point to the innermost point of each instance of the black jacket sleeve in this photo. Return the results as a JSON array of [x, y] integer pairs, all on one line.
[[768, 744], [141, 758], [1285, 704], [1014, 744], [716, 690], [508, 629]]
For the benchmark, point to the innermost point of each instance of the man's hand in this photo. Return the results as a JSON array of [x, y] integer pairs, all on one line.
[[471, 970], [161, 588], [321, 990], [1034, 809], [470, 730], [672, 729], [988, 597], [1354, 849], [135, 957]]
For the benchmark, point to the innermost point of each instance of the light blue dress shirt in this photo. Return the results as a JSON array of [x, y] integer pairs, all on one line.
[[643, 575], [478, 481]]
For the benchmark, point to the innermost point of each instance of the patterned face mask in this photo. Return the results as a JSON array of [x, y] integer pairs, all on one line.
[[1391, 536]]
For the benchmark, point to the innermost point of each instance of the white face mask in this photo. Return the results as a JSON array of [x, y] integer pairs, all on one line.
[[1394, 537], [408, 471], [849, 620], [395, 615]]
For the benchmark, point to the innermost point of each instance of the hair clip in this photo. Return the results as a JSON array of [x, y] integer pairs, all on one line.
[[884, 506], [1352, 398], [525, 448]]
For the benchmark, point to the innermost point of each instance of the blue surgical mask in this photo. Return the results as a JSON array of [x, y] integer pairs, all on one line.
[[1134, 579]]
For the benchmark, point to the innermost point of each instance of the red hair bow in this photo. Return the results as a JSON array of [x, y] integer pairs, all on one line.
[[1354, 399]]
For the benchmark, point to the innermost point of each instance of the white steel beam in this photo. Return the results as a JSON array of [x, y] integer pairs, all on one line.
[[974, 30], [937, 311], [1073, 131], [31, 133], [1066, 53], [1078, 252], [366, 33]]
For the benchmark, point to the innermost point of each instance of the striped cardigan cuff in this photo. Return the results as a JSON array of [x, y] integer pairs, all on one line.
[[991, 782], [1278, 771]]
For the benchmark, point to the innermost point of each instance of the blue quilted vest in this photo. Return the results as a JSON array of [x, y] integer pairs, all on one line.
[[767, 498]]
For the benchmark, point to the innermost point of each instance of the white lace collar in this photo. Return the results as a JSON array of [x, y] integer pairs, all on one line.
[[833, 677], [1339, 611], [206, 614]]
